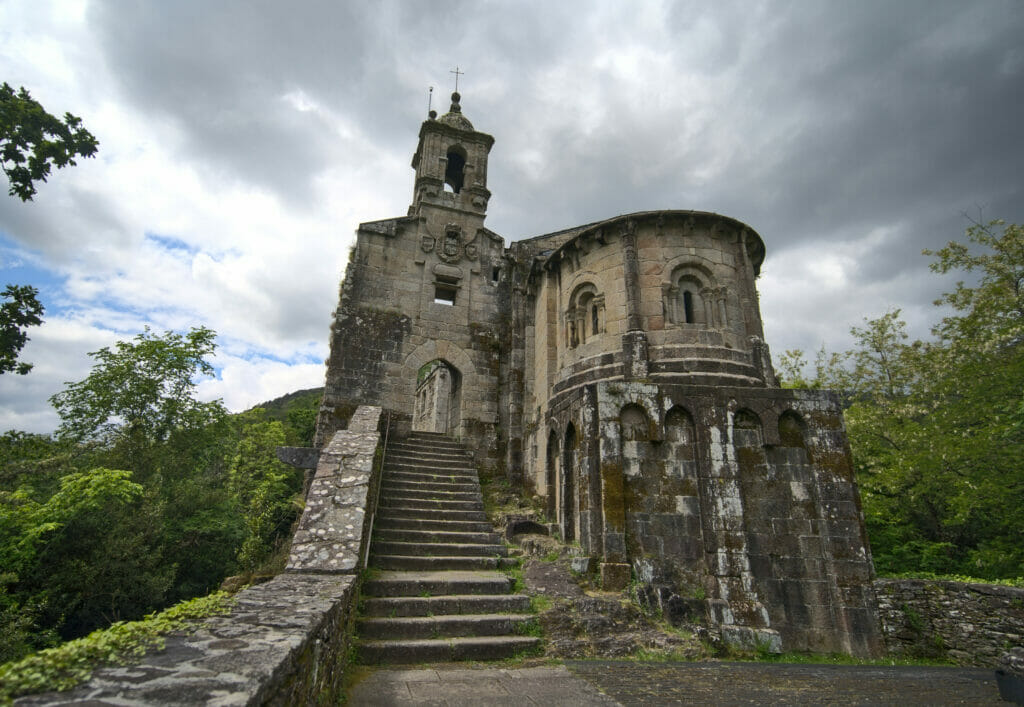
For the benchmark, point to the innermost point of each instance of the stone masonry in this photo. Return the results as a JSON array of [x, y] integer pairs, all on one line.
[[618, 371]]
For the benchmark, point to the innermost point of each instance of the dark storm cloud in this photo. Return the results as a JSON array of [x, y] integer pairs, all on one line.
[[220, 72], [897, 112]]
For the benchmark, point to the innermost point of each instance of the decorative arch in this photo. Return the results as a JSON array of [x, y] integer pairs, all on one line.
[[679, 427], [634, 423], [792, 430], [747, 430]]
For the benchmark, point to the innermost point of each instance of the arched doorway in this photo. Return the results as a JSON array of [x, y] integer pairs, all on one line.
[[551, 477], [438, 395], [568, 520]]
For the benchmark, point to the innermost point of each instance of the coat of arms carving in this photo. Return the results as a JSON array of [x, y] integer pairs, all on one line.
[[450, 248]]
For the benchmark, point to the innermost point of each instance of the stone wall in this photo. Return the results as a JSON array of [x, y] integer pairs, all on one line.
[[286, 641], [970, 624], [745, 496]]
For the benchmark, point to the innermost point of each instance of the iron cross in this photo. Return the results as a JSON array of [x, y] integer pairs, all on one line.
[[457, 74]]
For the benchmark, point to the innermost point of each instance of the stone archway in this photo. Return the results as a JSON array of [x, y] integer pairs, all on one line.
[[406, 393], [438, 397]]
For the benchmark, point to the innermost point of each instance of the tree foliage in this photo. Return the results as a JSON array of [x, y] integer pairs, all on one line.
[[145, 497], [32, 141], [20, 310], [937, 427]]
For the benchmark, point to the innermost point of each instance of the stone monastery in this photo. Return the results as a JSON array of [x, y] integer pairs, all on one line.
[[618, 371]]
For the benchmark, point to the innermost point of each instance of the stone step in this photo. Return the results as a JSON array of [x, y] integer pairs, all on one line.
[[412, 491], [442, 626], [429, 504], [427, 514], [404, 448], [442, 441], [440, 650], [385, 547], [397, 521], [439, 562], [446, 605], [424, 465], [430, 478], [420, 487], [420, 537], [423, 584]]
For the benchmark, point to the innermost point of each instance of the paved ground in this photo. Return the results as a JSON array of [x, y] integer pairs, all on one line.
[[633, 683]]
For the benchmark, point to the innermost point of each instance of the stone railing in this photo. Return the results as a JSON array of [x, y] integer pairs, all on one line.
[[285, 641], [970, 624]]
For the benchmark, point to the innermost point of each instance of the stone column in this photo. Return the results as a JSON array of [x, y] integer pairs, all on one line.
[[634, 341]]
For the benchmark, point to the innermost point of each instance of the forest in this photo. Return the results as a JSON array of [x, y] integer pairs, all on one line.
[[146, 496]]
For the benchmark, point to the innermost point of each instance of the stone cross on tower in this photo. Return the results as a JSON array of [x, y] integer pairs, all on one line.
[[457, 74]]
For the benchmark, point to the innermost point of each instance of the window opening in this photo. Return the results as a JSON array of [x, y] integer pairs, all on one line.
[[444, 295], [495, 274], [593, 318], [688, 307], [454, 173], [445, 290]]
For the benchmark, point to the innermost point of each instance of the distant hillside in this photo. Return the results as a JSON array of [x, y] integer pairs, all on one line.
[[278, 408]]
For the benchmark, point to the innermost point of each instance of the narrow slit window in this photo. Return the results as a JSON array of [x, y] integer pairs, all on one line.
[[593, 319], [495, 274], [688, 307]]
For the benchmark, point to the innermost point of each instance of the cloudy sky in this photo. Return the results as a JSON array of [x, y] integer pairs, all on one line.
[[242, 142]]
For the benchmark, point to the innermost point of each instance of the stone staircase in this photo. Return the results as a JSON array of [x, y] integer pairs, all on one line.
[[435, 591]]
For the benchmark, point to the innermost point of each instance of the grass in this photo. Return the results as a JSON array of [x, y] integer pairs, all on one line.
[[1006, 582], [540, 603], [515, 573], [835, 659], [528, 628]]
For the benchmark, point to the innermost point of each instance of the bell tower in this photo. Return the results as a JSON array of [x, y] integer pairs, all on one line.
[[451, 166]]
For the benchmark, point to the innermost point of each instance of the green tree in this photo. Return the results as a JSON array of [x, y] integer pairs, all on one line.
[[140, 397], [32, 141], [264, 490], [20, 310], [137, 409], [937, 427]]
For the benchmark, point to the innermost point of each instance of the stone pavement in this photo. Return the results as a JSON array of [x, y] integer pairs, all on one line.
[[634, 683]]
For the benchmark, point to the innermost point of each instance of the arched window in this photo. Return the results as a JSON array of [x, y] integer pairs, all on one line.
[[691, 296], [585, 316], [455, 171]]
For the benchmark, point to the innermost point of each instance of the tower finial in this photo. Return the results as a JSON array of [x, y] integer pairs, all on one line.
[[457, 74], [430, 104]]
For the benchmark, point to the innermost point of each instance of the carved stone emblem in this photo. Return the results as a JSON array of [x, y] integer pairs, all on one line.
[[450, 248], [427, 243], [471, 251]]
